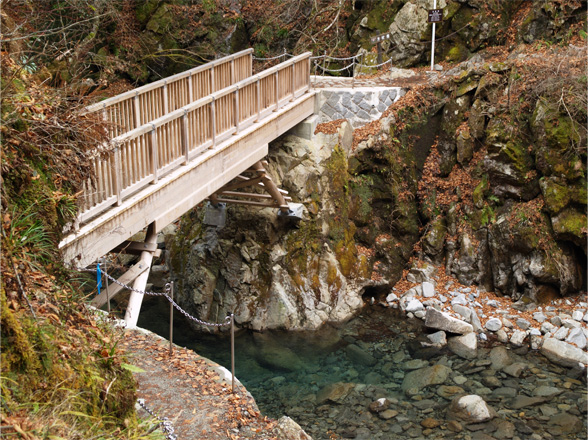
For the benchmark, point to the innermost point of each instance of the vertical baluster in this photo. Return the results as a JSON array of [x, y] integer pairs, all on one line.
[[117, 176], [292, 88], [233, 71], [154, 148], [190, 89], [165, 99], [212, 85], [258, 98], [213, 122], [184, 136], [237, 113], [276, 91]]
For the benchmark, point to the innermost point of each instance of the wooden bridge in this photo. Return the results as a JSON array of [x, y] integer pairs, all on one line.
[[176, 142]]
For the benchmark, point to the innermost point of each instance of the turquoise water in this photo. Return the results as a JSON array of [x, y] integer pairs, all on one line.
[[327, 380]]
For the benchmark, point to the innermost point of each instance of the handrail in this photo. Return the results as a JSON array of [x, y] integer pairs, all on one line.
[[147, 87], [143, 155], [136, 107], [203, 101]]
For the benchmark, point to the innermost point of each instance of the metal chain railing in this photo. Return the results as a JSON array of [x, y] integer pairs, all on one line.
[[164, 423], [168, 294]]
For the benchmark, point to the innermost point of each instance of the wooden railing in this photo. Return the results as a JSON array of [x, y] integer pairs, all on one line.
[[143, 155], [130, 110]]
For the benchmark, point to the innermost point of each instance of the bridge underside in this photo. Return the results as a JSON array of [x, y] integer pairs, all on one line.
[[183, 188]]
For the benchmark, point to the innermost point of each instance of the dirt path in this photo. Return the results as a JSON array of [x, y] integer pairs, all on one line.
[[193, 392]]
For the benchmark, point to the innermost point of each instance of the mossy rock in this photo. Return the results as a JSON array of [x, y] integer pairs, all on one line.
[[454, 114], [480, 192], [146, 9], [477, 119], [457, 53], [162, 20], [465, 146], [434, 239], [571, 224], [488, 86], [468, 85], [556, 193], [556, 128]]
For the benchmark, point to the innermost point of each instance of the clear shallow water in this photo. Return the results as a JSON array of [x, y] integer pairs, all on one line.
[[326, 380]]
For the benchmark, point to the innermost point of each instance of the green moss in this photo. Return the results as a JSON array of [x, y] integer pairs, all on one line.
[[571, 224], [161, 21], [457, 53], [146, 9]]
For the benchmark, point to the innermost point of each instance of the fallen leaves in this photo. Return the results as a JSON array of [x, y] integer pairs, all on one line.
[[197, 385]]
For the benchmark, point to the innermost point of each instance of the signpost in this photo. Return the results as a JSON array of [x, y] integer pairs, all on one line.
[[435, 16], [378, 39]]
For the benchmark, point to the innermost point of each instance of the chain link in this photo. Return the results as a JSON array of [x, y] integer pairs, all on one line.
[[272, 58], [375, 65], [332, 70], [164, 423], [165, 294]]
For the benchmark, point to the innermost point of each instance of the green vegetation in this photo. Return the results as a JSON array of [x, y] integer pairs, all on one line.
[[64, 375]]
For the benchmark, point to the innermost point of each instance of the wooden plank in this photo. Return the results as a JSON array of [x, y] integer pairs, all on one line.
[[114, 289]]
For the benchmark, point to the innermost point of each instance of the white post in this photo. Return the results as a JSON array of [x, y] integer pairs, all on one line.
[[433, 40], [136, 299]]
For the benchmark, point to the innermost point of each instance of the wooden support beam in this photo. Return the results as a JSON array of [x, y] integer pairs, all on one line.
[[114, 289], [250, 202], [136, 299], [136, 247], [238, 185], [245, 194]]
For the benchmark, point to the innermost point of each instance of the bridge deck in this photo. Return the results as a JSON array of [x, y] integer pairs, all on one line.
[[161, 169]]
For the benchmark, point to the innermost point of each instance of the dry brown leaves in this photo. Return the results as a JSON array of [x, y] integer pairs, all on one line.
[[330, 127], [197, 386]]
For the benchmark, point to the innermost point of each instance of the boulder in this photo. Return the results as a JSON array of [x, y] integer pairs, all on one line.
[[494, 324], [288, 429], [465, 346], [563, 353], [359, 356], [500, 358], [470, 409], [424, 377], [442, 321], [334, 392]]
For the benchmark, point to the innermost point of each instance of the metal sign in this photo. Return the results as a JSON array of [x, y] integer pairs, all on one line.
[[380, 38], [435, 16]]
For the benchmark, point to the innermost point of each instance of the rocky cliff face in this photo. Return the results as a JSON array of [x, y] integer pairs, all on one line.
[[482, 170]]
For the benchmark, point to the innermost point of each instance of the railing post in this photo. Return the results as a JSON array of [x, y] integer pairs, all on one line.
[[258, 92], [212, 90], [292, 82], [237, 110], [233, 71], [117, 176], [107, 292], [277, 90], [232, 353], [137, 110], [213, 121], [171, 318], [154, 154], [165, 99], [184, 135], [190, 89]]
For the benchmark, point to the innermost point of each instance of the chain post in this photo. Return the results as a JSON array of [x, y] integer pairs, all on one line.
[[232, 353], [107, 292], [171, 318]]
